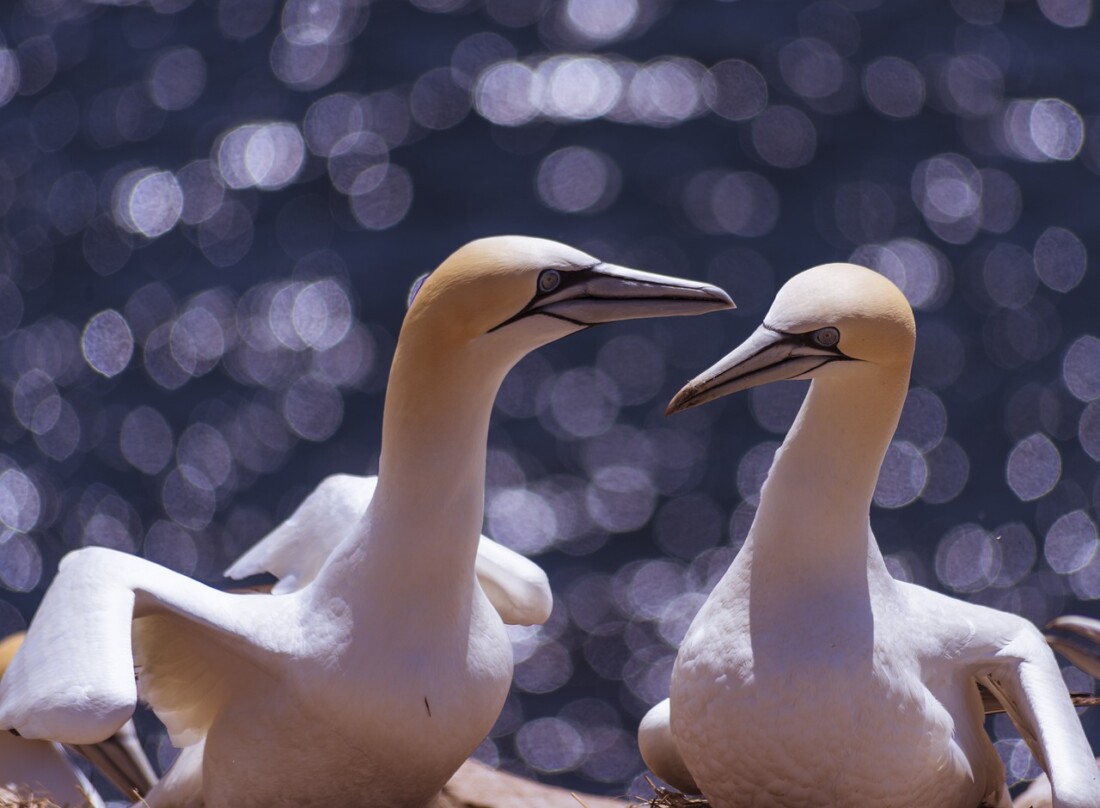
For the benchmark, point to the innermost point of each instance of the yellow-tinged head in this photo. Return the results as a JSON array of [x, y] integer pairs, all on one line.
[[825, 322], [544, 289], [871, 315]]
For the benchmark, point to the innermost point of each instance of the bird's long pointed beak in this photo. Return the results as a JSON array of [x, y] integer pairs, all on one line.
[[766, 356], [605, 293], [1085, 653]]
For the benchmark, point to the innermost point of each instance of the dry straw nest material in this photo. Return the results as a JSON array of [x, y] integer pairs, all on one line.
[[12, 798], [663, 798]]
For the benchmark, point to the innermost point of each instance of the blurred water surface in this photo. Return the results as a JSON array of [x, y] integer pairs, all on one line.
[[212, 211]]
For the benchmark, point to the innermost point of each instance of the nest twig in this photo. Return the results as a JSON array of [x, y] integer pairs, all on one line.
[[666, 798]]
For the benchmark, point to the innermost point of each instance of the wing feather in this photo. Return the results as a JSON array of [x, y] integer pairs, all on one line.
[[1029, 684], [73, 680], [516, 586], [296, 550]]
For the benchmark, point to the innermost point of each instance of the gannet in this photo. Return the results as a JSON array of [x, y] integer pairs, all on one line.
[[371, 684], [295, 551], [810, 677], [45, 769]]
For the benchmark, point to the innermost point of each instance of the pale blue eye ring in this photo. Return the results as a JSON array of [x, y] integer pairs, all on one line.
[[827, 337], [549, 280]]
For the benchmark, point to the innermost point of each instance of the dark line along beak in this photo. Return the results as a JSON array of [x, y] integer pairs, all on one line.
[[766, 356], [604, 293], [1082, 647]]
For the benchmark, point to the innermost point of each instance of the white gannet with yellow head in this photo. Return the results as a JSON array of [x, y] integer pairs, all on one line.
[[810, 677], [373, 683]]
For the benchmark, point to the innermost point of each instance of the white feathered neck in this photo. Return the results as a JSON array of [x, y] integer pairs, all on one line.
[[812, 526], [419, 537]]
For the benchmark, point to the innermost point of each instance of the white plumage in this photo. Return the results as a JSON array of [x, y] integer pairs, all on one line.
[[810, 677], [1077, 638], [296, 550], [45, 769]]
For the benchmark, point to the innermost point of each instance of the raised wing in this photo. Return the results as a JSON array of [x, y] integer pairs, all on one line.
[[295, 551], [119, 758], [73, 679], [1078, 640], [516, 586], [1026, 679]]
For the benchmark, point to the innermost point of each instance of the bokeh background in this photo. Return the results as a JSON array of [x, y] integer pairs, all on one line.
[[213, 210]]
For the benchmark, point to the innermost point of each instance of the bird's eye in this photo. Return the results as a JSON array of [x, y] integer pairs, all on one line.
[[827, 337], [549, 280]]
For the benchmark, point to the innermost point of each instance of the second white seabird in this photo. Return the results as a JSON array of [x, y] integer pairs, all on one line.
[[811, 677]]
